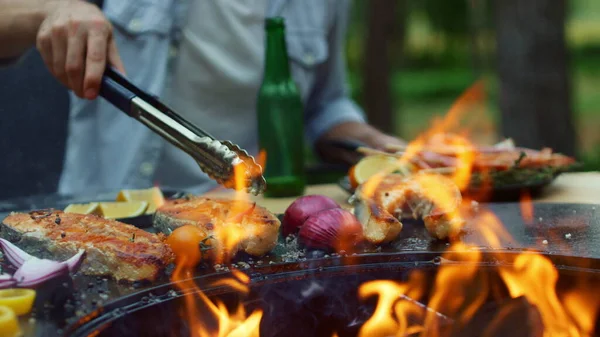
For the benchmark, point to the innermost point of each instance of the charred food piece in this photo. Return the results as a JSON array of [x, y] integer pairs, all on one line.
[[112, 248], [257, 228], [433, 198]]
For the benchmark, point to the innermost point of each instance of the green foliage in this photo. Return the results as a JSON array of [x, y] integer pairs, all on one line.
[[427, 79], [449, 17]]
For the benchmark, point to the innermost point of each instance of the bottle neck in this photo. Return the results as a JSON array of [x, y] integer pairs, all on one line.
[[276, 57]]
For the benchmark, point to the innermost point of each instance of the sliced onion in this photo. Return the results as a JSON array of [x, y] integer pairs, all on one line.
[[7, 281], [37, 271], [14, 254], [74, 262], [32, 271]]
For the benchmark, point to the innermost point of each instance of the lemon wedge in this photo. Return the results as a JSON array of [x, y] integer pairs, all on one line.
[[153, 196], [9, 326], [371, 165], [19, 300], [90, 208], [125, 209]]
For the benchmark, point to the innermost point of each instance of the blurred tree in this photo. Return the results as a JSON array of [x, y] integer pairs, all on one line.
[[449, 17], [386, 22], [535, 97]]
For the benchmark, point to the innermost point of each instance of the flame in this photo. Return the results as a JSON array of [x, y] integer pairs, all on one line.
[[534, 277], [582, 303], [199, 308], [233, 232], [526, 207], [460, 289], [397, 312], [229, 324], [455, 284]]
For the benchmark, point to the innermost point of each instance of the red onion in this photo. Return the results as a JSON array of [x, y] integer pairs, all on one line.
[[13, 254], [37, 271], [75, 261], [32, 271], [303, 207], [332, 229]]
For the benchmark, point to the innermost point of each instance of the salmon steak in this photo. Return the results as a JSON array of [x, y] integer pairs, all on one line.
[[112, 248], [254, 229]]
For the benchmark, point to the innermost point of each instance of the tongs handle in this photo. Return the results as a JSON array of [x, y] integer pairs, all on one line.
[[119, 91], [112, 88]]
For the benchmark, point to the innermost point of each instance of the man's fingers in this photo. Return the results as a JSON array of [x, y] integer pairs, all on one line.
[[75, 63], [44, 46], [114, 58], [95, 63], [59, 51]]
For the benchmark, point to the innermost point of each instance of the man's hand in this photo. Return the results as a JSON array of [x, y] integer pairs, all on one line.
[[75, 40], [361, 132]]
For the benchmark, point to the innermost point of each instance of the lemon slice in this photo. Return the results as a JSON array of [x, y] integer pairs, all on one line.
[[9, 326], [371, 165], [19, 300], [125, 209], [91, 208], [153, 196]]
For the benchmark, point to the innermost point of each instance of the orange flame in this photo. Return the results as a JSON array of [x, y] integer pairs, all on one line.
[[396, 313], [228, 235], [229, 324], [526, 207], [534, 277], [459, 291], [233, 232]]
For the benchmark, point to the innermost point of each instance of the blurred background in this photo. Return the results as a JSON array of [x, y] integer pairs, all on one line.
[[537, 63]]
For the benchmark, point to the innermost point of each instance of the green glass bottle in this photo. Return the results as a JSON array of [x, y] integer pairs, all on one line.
[[280, 118]]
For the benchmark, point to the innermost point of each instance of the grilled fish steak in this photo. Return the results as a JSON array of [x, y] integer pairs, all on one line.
[[111, 248], [395, 197], [259, 228]]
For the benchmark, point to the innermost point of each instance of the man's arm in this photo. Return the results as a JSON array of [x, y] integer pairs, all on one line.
[[73, 37], [19, 24]]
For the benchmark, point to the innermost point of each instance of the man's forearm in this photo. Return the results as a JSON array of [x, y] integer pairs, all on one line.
[[19, 24]]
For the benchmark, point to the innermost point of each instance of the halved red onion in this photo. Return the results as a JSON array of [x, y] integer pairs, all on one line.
[[14, 254], [302, 208], [332, 229], [37, 271]]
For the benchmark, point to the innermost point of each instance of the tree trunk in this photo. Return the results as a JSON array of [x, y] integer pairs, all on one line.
[[382, 27], [535, 97]]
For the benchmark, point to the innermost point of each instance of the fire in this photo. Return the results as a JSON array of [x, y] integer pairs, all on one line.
[[397, 312], [199, 309], [526, 207], [534, 277], [232, 233], [460, 289], [582, 302]]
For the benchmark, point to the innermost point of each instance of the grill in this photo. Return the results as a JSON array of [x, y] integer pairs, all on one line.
[[281, 284], [316, 298]]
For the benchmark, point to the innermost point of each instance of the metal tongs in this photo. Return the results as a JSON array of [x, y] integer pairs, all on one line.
[[220, 160]]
